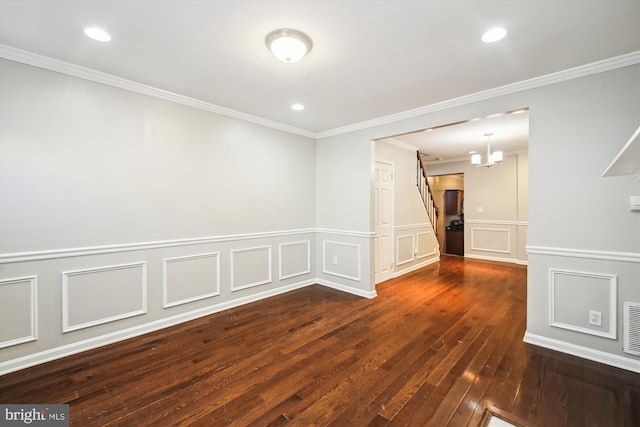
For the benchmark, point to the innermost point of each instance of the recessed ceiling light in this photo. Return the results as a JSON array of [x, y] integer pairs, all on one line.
[[297, 107], [97, 34], [494, 34]]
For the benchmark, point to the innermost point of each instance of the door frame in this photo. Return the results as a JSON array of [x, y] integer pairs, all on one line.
[[391, 224]]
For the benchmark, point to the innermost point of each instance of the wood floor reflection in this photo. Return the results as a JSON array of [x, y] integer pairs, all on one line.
[[437, 347]]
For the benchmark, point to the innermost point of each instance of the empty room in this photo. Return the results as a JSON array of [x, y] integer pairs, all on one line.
[[328, 213]]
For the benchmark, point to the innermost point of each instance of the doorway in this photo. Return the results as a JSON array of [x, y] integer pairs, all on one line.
[[448, 193], [493, 203]]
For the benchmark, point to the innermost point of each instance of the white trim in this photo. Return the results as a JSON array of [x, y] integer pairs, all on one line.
[[621, 362], [347, 289], [497, 259], [365, 234], [584, 253], [165, 282], [502, 251], [626, 60], [415, 267], [496, 222], [411, 226], [435, 246], [121, 335], [413, 248], [41, 61], [33, 306], [300, 273], [65, 296], [124, 247], [89, 74], [269, 279], [613, 301], [333, 273]]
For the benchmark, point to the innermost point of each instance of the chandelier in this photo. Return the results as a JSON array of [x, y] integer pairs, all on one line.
[[492, 159]]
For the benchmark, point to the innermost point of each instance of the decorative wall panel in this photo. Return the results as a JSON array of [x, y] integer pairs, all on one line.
[[491, 240], [341, 259], [426, 244], [190, 278], [18, 311], [574, 295], [250, 267], [404, 249], [295, 259], [95, 296]]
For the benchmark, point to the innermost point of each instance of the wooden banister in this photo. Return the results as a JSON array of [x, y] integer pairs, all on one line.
[[425, 192]]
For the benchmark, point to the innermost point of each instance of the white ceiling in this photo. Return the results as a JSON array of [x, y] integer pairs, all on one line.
[[454, 141], [370, 59]]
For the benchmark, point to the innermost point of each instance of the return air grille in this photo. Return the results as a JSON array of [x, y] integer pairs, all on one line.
[[631, 322]]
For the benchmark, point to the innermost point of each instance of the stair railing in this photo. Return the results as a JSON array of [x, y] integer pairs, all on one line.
[[425, 192]]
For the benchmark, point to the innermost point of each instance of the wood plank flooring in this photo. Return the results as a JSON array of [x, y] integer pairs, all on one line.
[[436, 348]]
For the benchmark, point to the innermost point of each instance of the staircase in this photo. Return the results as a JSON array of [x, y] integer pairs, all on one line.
[[426, 194]]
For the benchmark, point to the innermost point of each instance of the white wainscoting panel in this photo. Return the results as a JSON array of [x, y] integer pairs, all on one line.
[[404, 249], [341, 259], [100, 295], [572, 294], [295, 259], [426, 244], [190, 278], [18, 310], [250, 267], [491, 240]]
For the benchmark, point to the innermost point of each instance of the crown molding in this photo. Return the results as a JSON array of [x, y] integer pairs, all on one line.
[[30, 58], [40, 61], [614, 63]]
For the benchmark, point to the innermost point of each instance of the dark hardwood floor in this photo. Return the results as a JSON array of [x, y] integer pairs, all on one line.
[[436, 348]]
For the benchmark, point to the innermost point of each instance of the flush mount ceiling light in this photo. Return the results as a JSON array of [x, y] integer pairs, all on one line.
[[297, 107], [494, 34], [97, 34], [288, 45], [493, 159]]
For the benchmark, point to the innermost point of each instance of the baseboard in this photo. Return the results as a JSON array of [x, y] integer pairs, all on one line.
[[347, 289], [416, 267], [102, 340], [498, 259], [621, 362]]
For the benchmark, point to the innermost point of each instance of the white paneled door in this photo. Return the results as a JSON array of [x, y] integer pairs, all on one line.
[[383, 219]]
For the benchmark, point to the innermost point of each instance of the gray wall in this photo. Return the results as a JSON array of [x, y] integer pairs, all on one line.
[[104, 189], [578, 221], [495, 207], [415, 244], [122, 213]]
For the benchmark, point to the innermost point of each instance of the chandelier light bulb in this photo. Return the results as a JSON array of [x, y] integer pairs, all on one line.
[[493, 159]]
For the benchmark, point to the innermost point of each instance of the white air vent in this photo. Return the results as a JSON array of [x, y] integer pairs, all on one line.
[[631, 328]]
